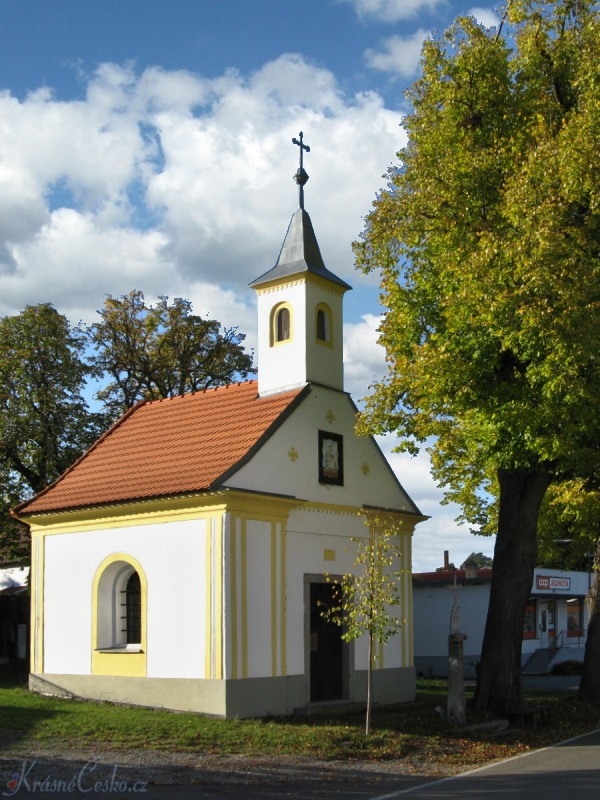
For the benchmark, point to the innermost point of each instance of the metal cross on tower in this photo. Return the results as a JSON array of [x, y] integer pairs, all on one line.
[[301, 175]]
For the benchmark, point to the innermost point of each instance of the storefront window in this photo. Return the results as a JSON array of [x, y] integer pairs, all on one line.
[[529, 626], [574, 612]]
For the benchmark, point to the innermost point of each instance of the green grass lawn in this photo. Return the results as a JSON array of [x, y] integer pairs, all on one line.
[[412, 731]]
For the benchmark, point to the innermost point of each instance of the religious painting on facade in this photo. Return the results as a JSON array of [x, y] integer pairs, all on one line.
[[331, 458]]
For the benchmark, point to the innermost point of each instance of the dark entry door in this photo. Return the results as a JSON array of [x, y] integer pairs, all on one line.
[[326, 648]]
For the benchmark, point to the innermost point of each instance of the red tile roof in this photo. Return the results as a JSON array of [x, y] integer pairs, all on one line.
[[166, 447], [447, 576]]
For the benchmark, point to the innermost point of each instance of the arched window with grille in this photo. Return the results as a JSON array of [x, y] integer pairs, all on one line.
[[132, 607], [119, 613]]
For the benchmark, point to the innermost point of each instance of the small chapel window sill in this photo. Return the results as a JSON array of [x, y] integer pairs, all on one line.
[[130, 648]]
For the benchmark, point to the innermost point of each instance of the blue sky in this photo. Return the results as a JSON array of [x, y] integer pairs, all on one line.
[[147, 144]]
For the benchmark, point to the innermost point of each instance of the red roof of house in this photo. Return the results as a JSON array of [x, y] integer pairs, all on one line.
[[166, 447], [446, 576]]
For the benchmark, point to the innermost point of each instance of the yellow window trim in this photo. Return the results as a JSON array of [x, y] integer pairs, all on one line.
[[275, 311], [118, 660]]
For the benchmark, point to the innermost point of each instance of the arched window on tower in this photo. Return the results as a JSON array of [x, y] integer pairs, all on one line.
[[323, 323], [282, 324]]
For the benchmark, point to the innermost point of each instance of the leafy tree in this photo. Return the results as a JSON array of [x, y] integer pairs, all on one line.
[[45, 422], [14, 537], [365, 600], [488, 243], [570, 539], [569, 527], [589, 685], [477, 560], [161, 351]]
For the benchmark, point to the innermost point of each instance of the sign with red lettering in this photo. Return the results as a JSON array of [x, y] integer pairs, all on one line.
[[552, 583]]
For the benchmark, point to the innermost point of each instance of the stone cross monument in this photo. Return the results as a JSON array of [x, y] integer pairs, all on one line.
[[456, 708]]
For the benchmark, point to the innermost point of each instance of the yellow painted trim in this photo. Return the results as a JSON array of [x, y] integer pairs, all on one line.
[[302, 279], [218, 597], [202, 506], [274, 629], [267, 507], [244, 597], [233, 596], [283, 599], [208, 591], [37, 579], [122, 663], [173, 509]]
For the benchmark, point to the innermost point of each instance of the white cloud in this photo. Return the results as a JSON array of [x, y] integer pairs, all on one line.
[[485, 16], [392, 10], [440, 532], [399, 54], [364, 358], [176, 184], [73, 262]]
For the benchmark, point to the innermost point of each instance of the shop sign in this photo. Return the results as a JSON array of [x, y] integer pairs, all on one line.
[[552, 583]]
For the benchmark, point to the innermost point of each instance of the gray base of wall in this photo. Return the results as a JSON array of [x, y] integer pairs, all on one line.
[[390, 686], [251, 697], [437, 666]]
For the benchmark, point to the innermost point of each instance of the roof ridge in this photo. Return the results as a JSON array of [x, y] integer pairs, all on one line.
[[299, 396], [202, 390], [186, 447]]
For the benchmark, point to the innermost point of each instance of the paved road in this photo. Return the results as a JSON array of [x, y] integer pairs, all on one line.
[[571, 769]]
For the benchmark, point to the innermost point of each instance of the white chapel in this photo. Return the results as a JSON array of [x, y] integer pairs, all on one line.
[[180, 562]]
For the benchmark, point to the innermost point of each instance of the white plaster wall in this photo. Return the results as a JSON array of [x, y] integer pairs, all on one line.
[[176, 595], [306, 555], [325, 363], [284, 364], [177, 615], [368, 479], [432, 607], [259, 599], [68, 577]]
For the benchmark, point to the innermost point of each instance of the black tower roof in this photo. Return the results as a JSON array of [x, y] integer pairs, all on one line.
[[299, 253]]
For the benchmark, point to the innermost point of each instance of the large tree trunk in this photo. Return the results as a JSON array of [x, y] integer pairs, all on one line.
[[499, 679], [589, 686]]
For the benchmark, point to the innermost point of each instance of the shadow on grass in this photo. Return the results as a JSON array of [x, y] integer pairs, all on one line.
[[19, 720]]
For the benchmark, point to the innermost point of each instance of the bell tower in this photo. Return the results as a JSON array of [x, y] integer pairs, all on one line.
[[300, 320]]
